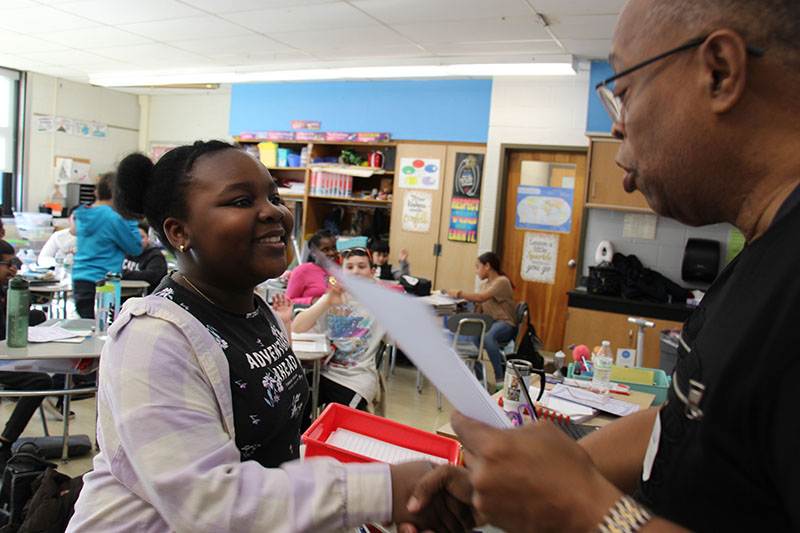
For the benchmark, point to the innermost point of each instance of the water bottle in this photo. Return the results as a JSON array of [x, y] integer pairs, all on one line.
[[58, 271], [19, 307], [601, 380], [103, 304], [115, 278]]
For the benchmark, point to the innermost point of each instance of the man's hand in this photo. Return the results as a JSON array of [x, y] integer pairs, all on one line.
[[534, 478], [283, 308], [443, 512], [445, 480]]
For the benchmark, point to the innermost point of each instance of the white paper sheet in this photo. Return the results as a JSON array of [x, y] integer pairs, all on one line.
[[377, 449], [415, 329], [50, 334], [591, 399]]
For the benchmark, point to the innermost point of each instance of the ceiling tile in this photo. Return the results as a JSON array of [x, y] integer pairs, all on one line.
[[373, 53], [518, 28], [41, 19], [96, 37], [499, 49], [11, 42], [16, 4], [234, 6], [302, 18], [578, 7], [589, 48], [185, 28], [230, 45], [424, 11], [338, 38], [144, 54], [584, 27], [65, 57], [261, 59], [130, 11]]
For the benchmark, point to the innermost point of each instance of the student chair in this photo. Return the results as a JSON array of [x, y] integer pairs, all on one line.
[[472, 325], [521, 319]]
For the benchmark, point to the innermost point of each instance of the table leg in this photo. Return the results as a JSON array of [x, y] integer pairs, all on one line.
[[65, 433], [315, 389]]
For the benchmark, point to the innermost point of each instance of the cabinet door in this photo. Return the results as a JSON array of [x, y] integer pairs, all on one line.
[[456, 266], [420, 245], [605, 180], [589, 327]]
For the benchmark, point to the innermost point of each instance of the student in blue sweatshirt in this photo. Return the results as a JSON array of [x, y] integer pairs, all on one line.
[[104, 238]]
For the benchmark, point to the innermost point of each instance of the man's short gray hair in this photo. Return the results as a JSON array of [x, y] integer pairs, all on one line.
[[771, 24]]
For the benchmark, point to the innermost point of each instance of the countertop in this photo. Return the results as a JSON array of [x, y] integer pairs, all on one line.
[[677, 312]]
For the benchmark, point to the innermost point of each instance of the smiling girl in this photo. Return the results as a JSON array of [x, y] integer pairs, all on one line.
[[201, 396]]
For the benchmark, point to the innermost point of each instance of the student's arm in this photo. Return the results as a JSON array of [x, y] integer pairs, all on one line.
[[152, 271], [477, 297], [307, 319], [47, 257]]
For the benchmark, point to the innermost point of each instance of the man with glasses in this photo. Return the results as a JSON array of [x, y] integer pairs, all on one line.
[[706, 102]]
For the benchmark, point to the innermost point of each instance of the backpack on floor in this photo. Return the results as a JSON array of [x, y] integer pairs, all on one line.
[[21, 471]]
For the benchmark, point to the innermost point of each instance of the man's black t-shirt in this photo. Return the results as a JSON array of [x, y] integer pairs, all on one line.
[[732, 465], [268, 387]]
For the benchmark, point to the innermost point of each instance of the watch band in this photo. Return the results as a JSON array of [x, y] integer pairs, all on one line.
[[626, 516]]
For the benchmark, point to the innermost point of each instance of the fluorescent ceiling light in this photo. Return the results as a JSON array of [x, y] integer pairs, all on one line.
[[556, 67]]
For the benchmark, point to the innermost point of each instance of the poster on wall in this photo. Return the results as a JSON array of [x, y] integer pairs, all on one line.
[[539, 257], [44, 123], [417, 211], [544, 208], [419, 173], [158, 150], [69, 170], [466, 202], [64, 125], [99, 131], [82, 128]]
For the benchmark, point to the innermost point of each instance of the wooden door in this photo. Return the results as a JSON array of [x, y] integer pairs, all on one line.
[[547, 302], [455, 268], [420, 246]]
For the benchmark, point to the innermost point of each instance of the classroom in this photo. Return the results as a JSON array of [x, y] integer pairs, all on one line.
[[483, 164]]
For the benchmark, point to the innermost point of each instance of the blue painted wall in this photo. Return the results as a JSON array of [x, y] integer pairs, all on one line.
[[432, 110], [597, 120]]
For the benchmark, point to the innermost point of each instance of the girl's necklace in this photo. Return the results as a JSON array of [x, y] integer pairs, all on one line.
[[198, 291]]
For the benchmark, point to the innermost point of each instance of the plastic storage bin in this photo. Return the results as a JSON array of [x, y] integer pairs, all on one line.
[[337, 416], [661, 383], [293, 159]]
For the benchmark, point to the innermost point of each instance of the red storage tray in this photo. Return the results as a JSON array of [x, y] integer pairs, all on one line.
[[337, 416]]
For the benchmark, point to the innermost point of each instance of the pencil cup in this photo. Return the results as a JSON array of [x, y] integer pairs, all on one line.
[[512, 393]]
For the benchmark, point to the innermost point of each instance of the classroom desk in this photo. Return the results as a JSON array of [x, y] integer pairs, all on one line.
[[317, 358], [136, 286], [642, 399], [56, 358], [58, 290]]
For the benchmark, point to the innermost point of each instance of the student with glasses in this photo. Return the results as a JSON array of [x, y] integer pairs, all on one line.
[[709, 133], [350, 376]]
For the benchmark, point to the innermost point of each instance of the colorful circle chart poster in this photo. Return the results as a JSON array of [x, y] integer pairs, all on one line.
[[420, 173]]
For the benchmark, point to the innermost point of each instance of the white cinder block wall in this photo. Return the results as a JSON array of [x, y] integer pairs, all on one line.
[[663, 254], [185, 118]]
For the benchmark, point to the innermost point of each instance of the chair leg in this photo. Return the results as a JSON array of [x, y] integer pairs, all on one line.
[[419, 381], [44, 422], [394, 357], [439, 399]]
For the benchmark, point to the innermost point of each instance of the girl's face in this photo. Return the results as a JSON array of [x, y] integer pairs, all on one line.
[[357, 265], [238, 226], [328, 248], [481, 269]]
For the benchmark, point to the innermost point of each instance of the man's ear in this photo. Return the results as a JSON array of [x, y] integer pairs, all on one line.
[[176, 232], [724, 58]]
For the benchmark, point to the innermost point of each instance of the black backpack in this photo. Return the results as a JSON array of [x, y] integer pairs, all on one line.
[[529, 344], [416, 286], [21, 471]]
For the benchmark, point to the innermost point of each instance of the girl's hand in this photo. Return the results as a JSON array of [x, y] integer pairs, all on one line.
[[283, 308], [453, 293]]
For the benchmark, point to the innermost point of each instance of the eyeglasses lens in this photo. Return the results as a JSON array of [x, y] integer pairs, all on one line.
[[611, 103]]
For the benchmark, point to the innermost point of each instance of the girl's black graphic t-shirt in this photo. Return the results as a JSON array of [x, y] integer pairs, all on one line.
[[268, 387]]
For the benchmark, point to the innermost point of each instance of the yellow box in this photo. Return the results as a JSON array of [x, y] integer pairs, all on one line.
[[268, 153]]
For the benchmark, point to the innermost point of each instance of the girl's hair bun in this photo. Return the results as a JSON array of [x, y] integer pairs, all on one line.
[[134, 175]]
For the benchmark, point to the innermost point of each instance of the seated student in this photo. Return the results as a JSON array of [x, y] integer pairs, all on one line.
[[200, 395], [309, 281], [496, 298], [351, 375], [380, 256], [24, 381], [104, 237], [62, 243], [149, 266]]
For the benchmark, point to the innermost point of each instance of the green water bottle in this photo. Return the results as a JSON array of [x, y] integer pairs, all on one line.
[[19, 307]]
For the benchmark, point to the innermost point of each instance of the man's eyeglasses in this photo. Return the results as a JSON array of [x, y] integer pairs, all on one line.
[[613, 103], [6, 263]]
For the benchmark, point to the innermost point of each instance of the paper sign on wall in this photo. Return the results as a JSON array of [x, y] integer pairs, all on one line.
[[44, 123], [417, 211], [64, 125], [419, 173], [71, 170], [539, 257]]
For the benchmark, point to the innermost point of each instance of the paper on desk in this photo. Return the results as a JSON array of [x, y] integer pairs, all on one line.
[[594, 400], [310, 342], [51, 333], [414, 328]]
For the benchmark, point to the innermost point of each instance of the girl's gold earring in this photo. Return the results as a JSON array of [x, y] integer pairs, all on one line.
[[182, 248]]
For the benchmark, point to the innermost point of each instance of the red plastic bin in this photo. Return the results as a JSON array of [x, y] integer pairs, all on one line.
[[337, 416]]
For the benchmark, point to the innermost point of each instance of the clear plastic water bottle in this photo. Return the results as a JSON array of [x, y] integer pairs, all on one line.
[[601, 380], [103, 303], [19, 307], [58, 271], [115, 278]]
